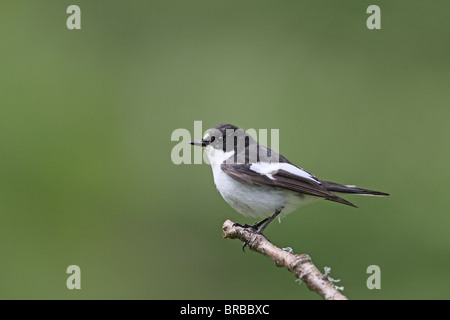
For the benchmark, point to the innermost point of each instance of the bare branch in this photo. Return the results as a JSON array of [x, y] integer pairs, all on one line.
[[299, 264]]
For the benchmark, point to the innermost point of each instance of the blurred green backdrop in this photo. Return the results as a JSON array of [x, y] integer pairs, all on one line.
[[86, 118]]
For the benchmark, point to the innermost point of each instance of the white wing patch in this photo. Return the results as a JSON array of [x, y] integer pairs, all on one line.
[[265, 168], [269, 169]]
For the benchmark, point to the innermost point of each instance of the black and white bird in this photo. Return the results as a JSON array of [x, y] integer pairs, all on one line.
[[260, 183]]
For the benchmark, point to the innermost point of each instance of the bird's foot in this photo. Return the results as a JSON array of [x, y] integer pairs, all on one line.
[[259, 231], [255, 228], [251, 226], [246, 226], [259, 227]]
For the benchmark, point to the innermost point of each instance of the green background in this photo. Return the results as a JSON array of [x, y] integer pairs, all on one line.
[[86, 119]]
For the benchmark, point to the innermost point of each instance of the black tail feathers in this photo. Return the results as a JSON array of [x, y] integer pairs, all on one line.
[[336, 187]]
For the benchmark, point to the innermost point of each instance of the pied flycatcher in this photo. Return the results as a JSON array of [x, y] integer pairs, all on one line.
[[260, 183]]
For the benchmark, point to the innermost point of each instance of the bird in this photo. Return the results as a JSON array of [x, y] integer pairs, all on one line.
[[262, 184]]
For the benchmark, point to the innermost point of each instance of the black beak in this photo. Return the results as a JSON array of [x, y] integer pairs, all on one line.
[[200, 143]]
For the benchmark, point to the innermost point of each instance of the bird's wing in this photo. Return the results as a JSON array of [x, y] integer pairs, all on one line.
[[281, 175]]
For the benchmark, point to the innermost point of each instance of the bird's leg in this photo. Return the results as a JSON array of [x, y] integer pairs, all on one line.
[[266, 222], [269, 220]]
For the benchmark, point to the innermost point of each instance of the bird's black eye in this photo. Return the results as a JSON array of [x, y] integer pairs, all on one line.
[[212, 139]]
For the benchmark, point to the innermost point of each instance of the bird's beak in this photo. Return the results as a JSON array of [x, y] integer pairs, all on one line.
[[199, 143]]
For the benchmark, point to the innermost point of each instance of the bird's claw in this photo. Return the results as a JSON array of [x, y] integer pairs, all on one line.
[[259, 231], [245, 226]]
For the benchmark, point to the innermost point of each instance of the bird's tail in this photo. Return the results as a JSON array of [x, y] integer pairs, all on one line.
[[350, 189]]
